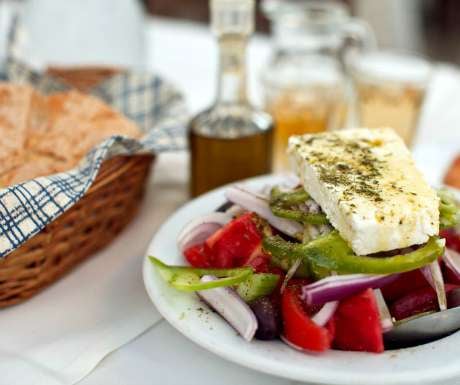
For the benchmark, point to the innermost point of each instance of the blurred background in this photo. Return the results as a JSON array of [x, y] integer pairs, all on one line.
[[428, 27], [312, 65]]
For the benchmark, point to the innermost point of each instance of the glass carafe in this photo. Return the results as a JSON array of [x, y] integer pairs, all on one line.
[[306, 88]]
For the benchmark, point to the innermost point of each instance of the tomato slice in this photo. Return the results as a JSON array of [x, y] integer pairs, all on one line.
[[449, 276], [197, 256], [404, 284], [452, 239], [417, 301], [233, 244], [298, 327], [357, 324], [258, 260]]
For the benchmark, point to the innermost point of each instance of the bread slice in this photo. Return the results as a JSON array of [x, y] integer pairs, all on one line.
[[76, 123], [15, 101], [33, 165], [42, 135]]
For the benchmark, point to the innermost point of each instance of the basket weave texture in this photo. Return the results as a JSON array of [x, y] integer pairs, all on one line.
[[106, 208]]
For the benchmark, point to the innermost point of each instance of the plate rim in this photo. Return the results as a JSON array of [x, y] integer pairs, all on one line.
[[394, 378]]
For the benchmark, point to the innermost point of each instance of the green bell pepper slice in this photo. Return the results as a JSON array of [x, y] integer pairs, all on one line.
[[257, 285], [330, 253], [299, 216], [449, 213], [289, 198], [281, 205], [284, 256], [187, 278]]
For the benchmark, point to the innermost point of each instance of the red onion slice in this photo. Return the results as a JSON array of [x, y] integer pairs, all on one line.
[[199, 229], [297, 347], [259, 204], [235, 211], [452, 260], [433, 275], [292, 270], [325, 313], [337, 287], [426, 272], [293, 346], [385, 316], [231, 307]]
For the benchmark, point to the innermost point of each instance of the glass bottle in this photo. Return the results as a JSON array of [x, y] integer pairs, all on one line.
[[231, 140], [305, 85]]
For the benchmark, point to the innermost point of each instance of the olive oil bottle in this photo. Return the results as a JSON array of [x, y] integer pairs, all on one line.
[[232, 140]]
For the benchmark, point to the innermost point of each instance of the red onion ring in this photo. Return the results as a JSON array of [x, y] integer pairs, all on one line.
[[337, 287], [259, 204], [231, 307], [199, 229], [325, 313], [452, 260], [296, 347], [433, 275], [385, 316]]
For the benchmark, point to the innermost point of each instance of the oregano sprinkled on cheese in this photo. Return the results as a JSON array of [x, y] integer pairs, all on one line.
[[358, 173], [367, 184]]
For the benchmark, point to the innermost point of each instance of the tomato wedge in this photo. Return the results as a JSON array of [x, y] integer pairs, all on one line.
[[417, 301], [449, 276], [298, 327], [258, 260], [357, 324], [452, 239], [197, 256], [404, 284], [235, 243]]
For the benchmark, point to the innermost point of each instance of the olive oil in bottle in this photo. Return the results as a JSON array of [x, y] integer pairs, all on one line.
[[232, 140]]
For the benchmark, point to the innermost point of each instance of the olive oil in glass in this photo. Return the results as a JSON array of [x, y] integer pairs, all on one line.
[[232, 140]]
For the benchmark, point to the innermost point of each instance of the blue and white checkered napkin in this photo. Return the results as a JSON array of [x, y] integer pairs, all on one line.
[[154, 104]]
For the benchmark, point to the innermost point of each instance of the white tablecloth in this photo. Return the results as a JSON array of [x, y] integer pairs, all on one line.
[[186, 54]]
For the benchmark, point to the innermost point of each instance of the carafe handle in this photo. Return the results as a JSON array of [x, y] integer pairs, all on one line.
[[359, 34], [358, 37]]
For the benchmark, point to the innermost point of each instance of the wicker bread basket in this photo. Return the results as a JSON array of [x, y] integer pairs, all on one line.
[[107, 207]]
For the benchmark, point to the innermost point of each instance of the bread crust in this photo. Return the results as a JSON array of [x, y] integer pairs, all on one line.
[[42, 135]]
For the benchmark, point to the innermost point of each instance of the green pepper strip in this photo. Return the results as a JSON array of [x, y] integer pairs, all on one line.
[[299, 216], [187, 278], [288, 198], [330, 253], [280, 203], [449, 215], [257, 285], [284, 257]]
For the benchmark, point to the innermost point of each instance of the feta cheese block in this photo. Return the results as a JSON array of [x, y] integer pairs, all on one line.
[[366, 182]]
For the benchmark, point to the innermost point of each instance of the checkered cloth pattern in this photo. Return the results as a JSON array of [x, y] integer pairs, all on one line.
[[154, 104]]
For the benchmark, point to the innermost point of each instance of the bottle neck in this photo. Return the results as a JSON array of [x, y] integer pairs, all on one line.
[[232, 70]]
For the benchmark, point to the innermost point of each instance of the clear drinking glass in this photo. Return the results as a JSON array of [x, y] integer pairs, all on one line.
[[390, 88], [306, 88]]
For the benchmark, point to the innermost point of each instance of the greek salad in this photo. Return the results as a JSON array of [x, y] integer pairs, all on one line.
[[287, 263]]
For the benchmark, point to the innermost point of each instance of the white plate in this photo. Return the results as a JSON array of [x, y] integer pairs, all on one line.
[[434, 362]]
